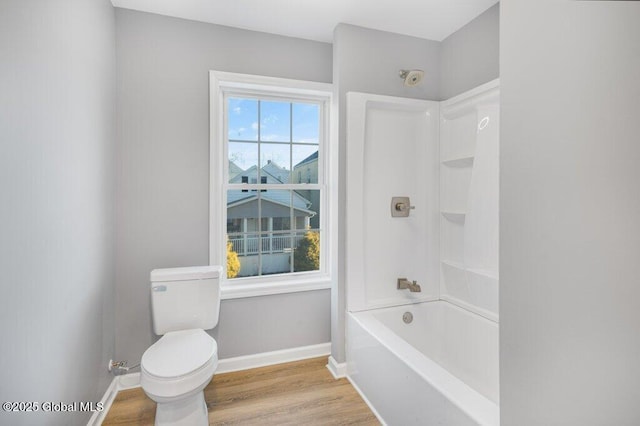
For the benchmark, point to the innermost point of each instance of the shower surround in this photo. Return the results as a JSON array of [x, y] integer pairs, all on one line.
[[442, 366]]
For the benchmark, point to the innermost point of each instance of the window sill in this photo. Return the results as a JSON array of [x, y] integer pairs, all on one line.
[[231, 290]]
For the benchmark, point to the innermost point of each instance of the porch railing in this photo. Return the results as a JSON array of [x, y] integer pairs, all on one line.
[[246, 245]]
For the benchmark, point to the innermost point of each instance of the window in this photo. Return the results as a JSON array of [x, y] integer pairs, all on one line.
[[269, 176]]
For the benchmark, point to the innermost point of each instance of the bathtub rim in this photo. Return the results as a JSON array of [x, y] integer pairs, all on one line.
[[475, 405]]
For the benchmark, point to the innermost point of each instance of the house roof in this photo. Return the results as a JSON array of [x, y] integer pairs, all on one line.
[[234, 169], [281, 197], [309, 159], [273, 172], [277, 172], [277, 196]]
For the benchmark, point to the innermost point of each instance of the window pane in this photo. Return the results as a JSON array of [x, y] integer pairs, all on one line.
[[241, 205], [276, 253], [281, 224], [275, 119], [272, 231], [275, 207], [305, 160], [243, 161], [306, 119], [307, 253], [242, 232], [234, 226], [275, 204], [242, 121], [306, 207], [275, 162]]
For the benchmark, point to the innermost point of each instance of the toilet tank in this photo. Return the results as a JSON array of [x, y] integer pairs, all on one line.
[[185, 298]]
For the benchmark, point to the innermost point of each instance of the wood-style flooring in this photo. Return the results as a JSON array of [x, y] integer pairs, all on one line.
[[295, 393]]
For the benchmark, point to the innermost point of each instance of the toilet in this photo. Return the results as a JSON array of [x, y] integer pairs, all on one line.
[[175, 370]]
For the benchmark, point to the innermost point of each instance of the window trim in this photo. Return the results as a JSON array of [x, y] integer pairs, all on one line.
[[270, 87]]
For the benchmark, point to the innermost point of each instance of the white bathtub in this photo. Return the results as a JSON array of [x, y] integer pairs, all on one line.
[[441, 369]]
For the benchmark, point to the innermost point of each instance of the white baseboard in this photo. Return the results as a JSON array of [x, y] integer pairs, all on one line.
[[129, 381], [270, 358], [107, 399], [132, 380], [366, 401], [126, 381], [337, 369]]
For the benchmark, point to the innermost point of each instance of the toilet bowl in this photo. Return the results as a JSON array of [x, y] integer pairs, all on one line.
[[174, 372], [176, 369]]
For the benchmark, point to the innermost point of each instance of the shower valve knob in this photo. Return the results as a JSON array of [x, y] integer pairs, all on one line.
[[400, 206]]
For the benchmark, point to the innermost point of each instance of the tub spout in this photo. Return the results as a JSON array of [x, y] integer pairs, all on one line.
[[404, 283]]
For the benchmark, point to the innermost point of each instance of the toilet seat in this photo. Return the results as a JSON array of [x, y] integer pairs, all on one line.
[[179, 363]]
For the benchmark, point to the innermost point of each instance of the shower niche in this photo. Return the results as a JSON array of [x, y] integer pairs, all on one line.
[[469, 188]]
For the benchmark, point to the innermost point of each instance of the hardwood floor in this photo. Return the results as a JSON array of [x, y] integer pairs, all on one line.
[[295, 393]]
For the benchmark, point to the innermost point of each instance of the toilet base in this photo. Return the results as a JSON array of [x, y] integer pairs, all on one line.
[[190, 411]]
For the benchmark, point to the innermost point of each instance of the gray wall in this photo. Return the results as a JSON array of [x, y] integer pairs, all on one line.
[[367, 60], [470, 55], [57, 144], [163, 173], [570, 209]]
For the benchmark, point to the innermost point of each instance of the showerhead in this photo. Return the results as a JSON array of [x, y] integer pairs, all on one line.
[[411, 77]]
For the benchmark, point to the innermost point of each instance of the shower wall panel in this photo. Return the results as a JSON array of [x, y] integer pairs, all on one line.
[[392, 151], [469, 143]]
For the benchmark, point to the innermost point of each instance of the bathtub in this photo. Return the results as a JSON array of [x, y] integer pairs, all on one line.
[[440, 369]]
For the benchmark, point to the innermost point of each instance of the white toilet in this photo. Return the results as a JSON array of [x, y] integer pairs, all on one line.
[[176, 369]]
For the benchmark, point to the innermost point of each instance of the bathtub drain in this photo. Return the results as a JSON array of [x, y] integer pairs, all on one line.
[[407, 317]]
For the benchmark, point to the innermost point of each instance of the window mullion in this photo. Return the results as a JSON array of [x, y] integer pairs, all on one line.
[[259, 165], [259, 233], [293, 234], [274, 186], [291, 142]]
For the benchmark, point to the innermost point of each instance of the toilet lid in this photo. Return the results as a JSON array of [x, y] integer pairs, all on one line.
[[179, 353]]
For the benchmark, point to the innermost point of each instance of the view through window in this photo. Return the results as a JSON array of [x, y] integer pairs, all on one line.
[[274, 185]]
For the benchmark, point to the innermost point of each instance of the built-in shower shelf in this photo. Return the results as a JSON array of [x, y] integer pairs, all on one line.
[[454, 264], [459, 162], [477, 271], [454, 216]]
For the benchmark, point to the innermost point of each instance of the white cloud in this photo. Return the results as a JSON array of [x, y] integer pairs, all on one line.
[[254, 125], [237, 110], [269, 119]]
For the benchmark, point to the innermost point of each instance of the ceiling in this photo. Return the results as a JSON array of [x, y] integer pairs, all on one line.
[[316, 19]]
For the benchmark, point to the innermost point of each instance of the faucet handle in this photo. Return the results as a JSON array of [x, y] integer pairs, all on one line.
[[401, 207]]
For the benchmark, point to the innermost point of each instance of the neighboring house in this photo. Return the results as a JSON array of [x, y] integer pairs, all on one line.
[[234, 170], [280, 173], [306, 171], [278, 234]]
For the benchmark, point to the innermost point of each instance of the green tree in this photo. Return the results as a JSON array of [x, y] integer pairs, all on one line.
[[233, 263], [307, 255]]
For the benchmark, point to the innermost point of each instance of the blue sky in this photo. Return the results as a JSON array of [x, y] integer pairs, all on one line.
[[274, 126]]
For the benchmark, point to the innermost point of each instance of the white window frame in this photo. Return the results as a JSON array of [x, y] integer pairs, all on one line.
[[225, 83]]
